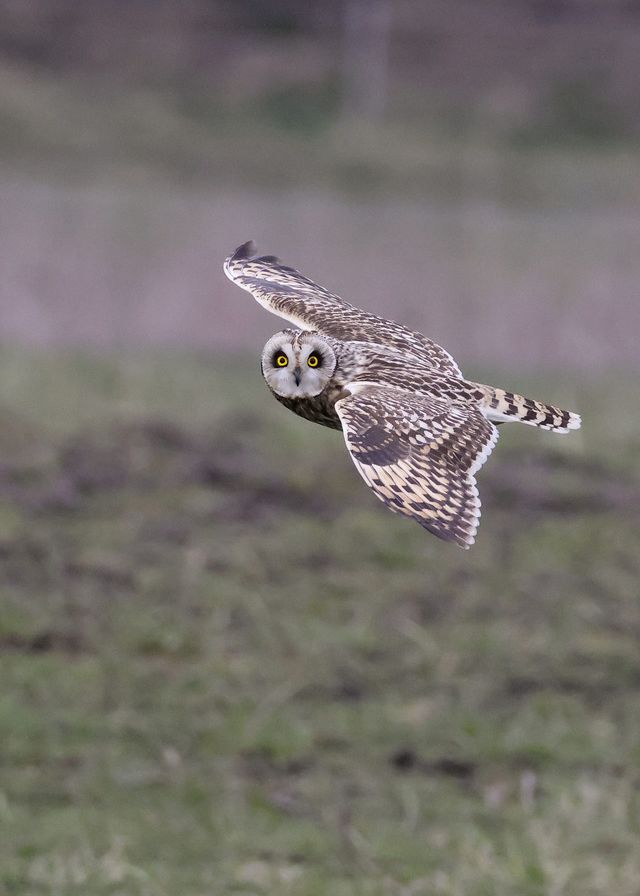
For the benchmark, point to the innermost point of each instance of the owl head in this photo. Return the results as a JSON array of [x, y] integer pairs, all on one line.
[[297, 363]]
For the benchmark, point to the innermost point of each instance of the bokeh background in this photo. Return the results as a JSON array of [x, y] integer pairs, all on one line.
[[225, 668]]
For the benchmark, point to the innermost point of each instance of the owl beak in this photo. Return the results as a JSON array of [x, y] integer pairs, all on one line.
[[297, 375]]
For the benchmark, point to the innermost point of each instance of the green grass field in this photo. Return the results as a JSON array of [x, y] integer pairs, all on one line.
[[225, 668]]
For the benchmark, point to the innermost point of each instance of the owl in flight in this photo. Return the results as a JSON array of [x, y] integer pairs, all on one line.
[[416, 430]]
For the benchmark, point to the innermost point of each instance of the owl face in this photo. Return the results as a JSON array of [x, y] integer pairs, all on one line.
[[297, 364]]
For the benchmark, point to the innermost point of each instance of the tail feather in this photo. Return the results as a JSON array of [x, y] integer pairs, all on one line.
[[509, 406]]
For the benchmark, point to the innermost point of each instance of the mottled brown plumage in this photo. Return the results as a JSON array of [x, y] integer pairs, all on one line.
[[287, 293], [416, 430], [419, 455]]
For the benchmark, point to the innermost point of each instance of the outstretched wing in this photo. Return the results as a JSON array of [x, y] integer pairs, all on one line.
[[419, 455], [289, 294]]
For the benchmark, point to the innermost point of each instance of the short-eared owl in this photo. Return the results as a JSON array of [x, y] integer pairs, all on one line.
[[416, 430]]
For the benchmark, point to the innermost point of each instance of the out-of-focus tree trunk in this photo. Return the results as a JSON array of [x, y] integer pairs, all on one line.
[[366, 35]]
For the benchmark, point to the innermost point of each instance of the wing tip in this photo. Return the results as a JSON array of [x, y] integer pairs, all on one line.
[[461, 537], [245, 252]]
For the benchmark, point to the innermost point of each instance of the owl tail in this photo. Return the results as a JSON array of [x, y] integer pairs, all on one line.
[[504, 407]]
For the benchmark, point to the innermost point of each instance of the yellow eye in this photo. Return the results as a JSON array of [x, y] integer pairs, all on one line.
[[282, 360], [313, 360]]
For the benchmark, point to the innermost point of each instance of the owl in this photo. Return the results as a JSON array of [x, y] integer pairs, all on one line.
[[416, 430]]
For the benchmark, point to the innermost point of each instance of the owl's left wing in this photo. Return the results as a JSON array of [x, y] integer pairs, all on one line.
[[289, 294], [419, 455]]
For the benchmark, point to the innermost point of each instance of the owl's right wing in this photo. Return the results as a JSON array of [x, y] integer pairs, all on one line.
[[419, 455], [289, 294]]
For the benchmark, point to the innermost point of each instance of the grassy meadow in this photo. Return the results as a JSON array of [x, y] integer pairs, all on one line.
[[225, 668]]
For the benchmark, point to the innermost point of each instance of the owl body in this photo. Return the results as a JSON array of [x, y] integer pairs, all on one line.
[[358, 364], [416, 430]]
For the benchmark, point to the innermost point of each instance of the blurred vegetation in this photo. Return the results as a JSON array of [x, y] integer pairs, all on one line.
[[293, 136], [227, 669], [575, 114], [258, 95]]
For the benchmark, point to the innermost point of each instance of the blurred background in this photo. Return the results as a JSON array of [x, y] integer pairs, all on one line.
[[224, 667], [477, 161]]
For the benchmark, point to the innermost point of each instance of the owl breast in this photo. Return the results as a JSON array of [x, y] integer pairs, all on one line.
[[319, 409]]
